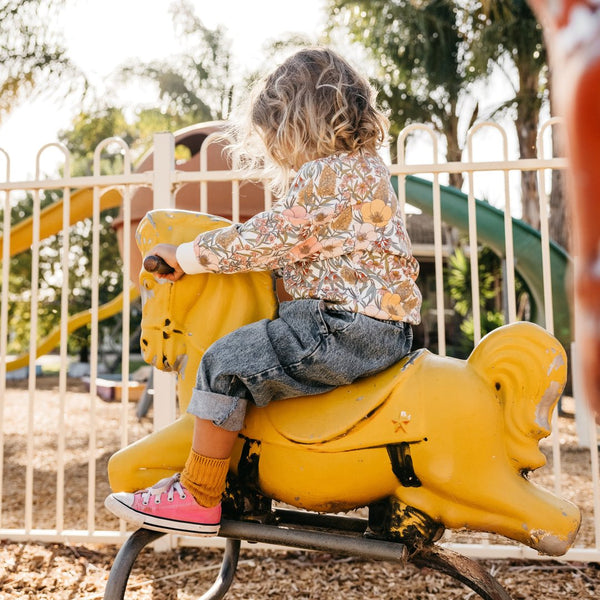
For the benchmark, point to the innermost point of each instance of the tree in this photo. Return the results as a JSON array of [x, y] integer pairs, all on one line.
[[196, 83], [195, 86], [20, 276], [429, 53], [32, 53], [420, 49], [88, 130], [508, 36]]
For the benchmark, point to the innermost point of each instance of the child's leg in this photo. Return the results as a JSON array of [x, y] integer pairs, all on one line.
[[206, 468], [293, 360], [189, 502], [211, 440]]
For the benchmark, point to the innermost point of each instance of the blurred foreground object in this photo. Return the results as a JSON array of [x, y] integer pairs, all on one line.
[[572, 31]]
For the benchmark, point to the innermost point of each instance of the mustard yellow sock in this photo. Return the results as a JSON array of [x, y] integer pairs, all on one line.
[[205, 478]]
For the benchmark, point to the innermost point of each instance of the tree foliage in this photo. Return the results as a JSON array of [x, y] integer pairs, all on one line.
[[491, 293], [197, 82], [510, 38], [430, 52], [195, 87], [420, 49], [32, 52], [81, 140]]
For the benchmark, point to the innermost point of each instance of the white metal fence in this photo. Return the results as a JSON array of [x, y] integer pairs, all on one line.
[[55, 438]]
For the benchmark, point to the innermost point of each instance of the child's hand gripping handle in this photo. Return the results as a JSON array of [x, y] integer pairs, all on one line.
[[156, 264]]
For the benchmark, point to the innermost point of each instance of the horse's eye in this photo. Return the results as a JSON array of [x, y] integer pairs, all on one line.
[[148, 283]]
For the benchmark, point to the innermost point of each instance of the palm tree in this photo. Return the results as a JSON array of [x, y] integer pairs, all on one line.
[[507, 35], [420, 50], [32, 52], [198, 82], [429, 53]]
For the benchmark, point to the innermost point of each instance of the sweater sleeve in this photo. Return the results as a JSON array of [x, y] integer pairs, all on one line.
[[269, 240]]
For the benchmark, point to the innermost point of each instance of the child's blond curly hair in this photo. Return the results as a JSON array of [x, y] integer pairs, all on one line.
[[313, 105]]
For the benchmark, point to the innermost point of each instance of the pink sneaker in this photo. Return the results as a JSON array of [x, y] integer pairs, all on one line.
[[166, 506]]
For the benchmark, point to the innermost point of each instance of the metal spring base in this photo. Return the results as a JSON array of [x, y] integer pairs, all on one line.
[[341, 535]]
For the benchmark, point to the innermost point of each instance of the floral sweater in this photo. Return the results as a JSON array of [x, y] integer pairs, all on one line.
[[337, 235]]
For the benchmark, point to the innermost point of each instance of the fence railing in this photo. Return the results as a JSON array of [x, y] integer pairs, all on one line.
[[57, 432]]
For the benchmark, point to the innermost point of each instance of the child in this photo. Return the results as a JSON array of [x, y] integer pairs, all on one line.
[[338, 241]]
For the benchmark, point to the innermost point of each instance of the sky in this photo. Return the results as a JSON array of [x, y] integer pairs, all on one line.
[[100, 36]]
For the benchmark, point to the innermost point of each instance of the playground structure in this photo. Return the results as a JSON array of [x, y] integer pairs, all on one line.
[[580, 100], [433, 195]]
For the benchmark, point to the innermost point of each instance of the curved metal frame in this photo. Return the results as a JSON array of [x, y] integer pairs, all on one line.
[[297, 529]]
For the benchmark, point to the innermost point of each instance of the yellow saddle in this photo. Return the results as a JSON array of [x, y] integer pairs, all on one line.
[[329, 416]]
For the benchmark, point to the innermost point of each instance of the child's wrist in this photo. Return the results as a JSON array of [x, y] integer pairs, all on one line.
[[186, 257]]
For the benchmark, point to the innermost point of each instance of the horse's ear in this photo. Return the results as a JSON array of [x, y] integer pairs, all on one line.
[[526, 369], [171, 226]]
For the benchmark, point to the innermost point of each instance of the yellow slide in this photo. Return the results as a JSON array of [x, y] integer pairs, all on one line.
[[75, 322], [21, 235], [51, 223]]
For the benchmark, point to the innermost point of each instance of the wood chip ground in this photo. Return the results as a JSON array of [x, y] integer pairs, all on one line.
[[80, 571]]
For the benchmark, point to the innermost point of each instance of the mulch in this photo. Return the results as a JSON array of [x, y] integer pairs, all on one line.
[[70, 571]]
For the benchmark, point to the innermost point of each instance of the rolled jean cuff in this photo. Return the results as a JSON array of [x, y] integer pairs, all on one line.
[[224, 411]]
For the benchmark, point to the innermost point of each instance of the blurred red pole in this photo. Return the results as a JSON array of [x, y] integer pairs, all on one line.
[[572, 32]]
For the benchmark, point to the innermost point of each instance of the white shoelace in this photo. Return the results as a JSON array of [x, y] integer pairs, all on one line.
[[169, 485]]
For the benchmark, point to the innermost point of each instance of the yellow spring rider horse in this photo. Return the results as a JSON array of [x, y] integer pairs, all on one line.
[[430, 443]]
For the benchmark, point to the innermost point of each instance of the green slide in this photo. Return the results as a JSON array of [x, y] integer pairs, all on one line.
[[490, 231]]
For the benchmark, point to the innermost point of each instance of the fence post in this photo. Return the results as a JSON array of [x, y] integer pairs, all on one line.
[[164, 403], [164, 167], [583, 413]]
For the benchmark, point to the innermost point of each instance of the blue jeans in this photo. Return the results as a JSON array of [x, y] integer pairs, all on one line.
[[309, 349]]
